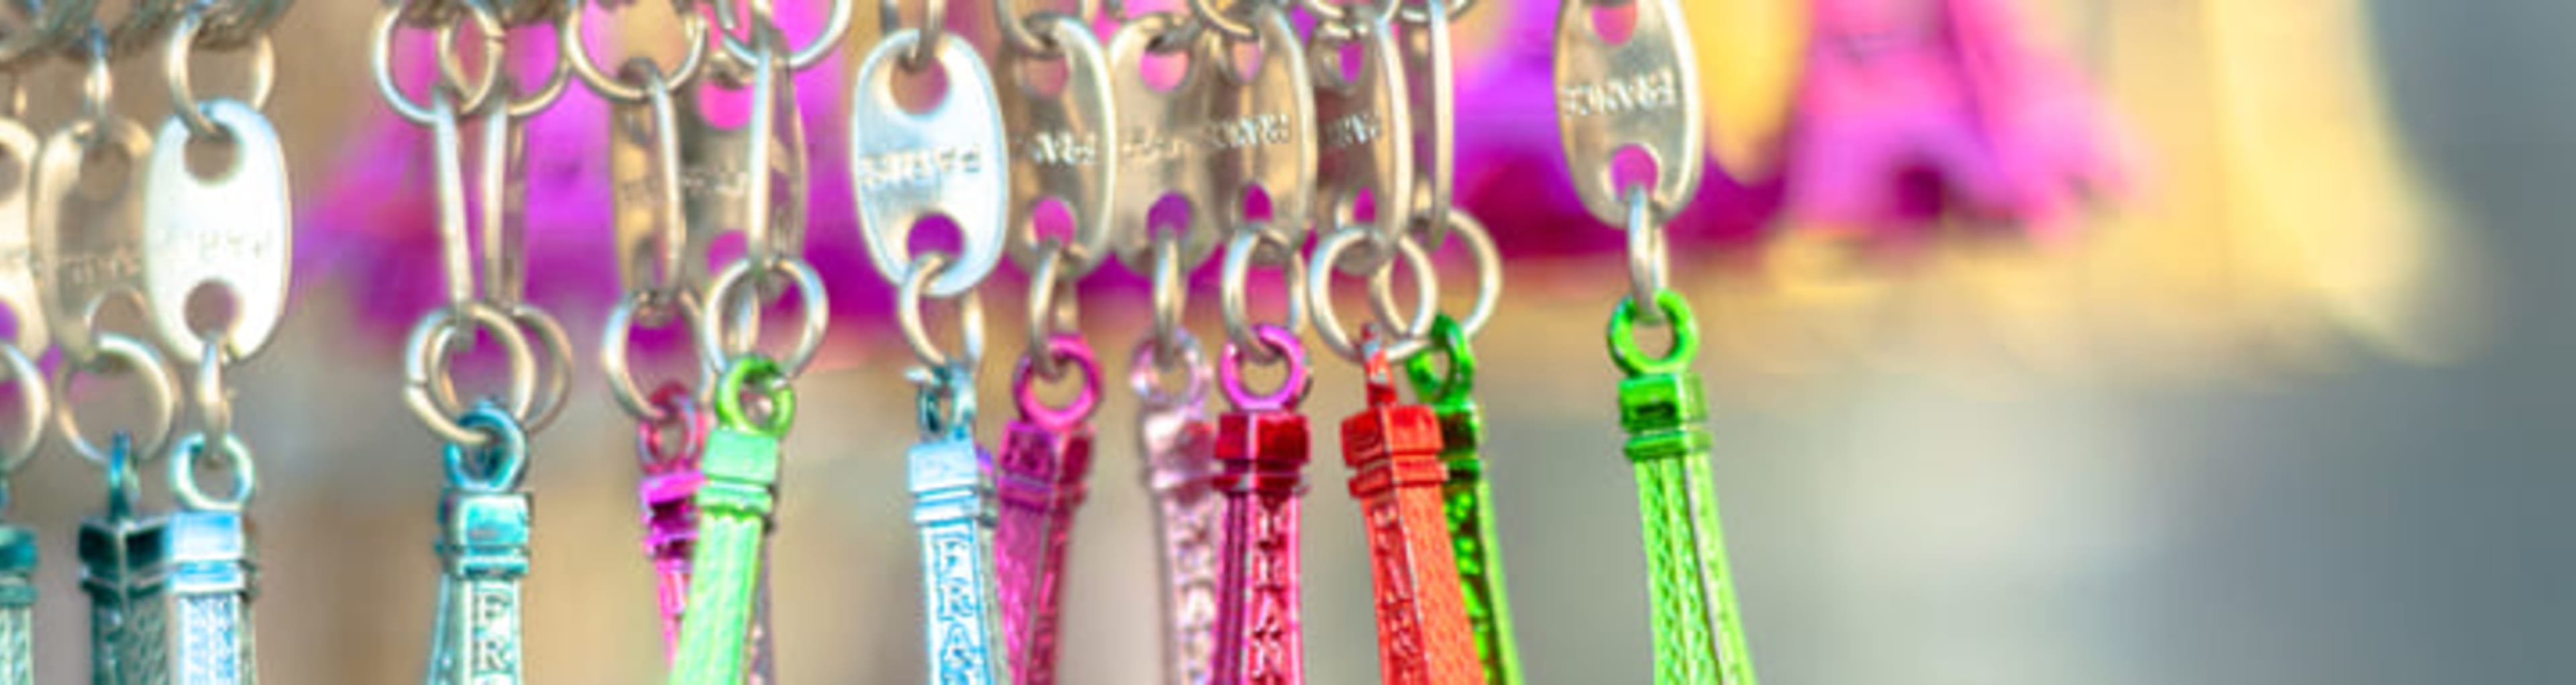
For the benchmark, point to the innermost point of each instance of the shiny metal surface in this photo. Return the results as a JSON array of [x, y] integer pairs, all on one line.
[[89, 248], [244, 248], [1641, 93], [18, 274], [1063, 146], [1365, 128], [947, 160]]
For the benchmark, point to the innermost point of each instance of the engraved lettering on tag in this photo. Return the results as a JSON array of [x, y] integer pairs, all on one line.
[[1644, 92], [917, 168], [1058, 148], [1353, 131]]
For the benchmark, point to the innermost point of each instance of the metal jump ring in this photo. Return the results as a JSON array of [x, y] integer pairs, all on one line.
[[135, 356], [214, 405], [1489, 270], [555, 367], [1292, 388], [1647, 259], [1412, 338], [381, 56], [505, 446], [934, 29], [680, 408], [1170, 297], [183, 97], [1328, 13], [1145, 372], [523, 105], [431, 394], [907, 309], [693, 27], [1235, 281], [1045, 318], [1016, 26], [1225, 23], [1419, 15], [835, 26], [184, 462], [616, 337], [33, 407], [1063, 349], [713, 341]]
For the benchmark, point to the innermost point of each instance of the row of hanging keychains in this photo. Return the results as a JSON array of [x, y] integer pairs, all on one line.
[[708, 441], [169, 591]]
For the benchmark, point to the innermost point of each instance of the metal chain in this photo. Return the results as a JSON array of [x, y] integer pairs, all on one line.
[[483, 256]]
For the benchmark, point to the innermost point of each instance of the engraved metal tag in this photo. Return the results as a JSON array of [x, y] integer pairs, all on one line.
[[230, 230], [1641, 93], [18, 150], [1064, 145], [953, 509], [948, 160], [210, 586], [1366, 144], [88, 249], [1262, 127], [1160, 151], [669, 164]]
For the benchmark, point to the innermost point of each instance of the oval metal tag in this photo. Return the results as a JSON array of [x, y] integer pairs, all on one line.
[[1263, 127], [1367, 131], [1063, 146], [945, 161], [230, 230], [1642, 93], [88, 249], [1159, 150], [17, 237]]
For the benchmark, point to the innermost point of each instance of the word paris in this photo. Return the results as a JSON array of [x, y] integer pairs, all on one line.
[[1348, 129]]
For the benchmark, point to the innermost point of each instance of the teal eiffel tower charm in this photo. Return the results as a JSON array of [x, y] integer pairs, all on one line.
[[483, 553]]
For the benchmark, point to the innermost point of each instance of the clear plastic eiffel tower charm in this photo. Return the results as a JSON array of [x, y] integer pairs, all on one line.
[[482, 547], [124, 570]]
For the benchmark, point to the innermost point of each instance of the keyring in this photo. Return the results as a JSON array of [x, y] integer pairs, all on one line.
[[909, 300], [136, 356], [1235, 281], [33, 407], [1292, 388], [617, 336], [183, 96], [713, 345], [1062, 348], [1145, 372], [432, 396], [381, 57], [835, 26], [1410, 340], [575, 51], [183, 472]]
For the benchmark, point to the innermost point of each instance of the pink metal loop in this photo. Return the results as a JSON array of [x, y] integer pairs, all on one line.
[[1291, 391], [1060, 348], [679, 409]]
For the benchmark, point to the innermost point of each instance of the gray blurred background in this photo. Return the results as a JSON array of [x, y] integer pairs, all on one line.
[[2364, 521]]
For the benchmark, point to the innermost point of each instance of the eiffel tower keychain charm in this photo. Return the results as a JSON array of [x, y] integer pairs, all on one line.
[[483, 551], [1641, 94]]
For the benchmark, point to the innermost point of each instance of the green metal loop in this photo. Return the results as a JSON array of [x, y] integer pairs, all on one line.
[[497, 466], [756, 373], [1431, 381], [1623, 339]]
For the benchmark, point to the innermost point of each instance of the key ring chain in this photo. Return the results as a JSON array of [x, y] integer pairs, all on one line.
[[1698, 628], [719, 632]]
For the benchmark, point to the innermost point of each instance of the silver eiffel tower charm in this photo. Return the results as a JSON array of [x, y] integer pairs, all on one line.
[[483, 549], [124, 570], [17, 605], [211, 577]]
